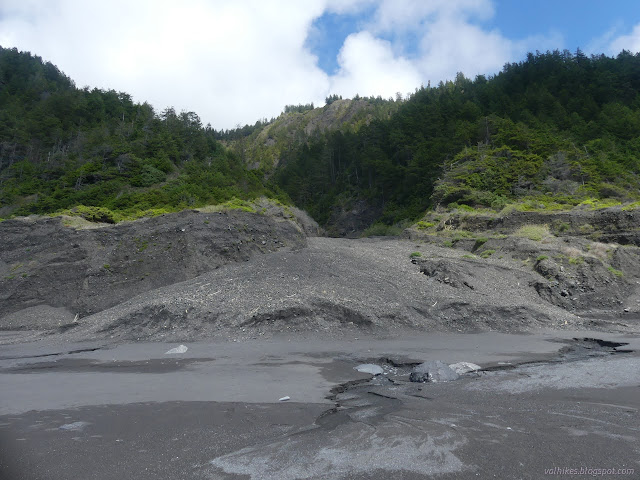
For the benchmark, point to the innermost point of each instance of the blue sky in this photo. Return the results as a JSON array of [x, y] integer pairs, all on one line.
[[584, 24], [236, 61], [578, 22]]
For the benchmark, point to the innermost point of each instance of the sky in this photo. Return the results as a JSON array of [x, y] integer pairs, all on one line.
[[234, 62]]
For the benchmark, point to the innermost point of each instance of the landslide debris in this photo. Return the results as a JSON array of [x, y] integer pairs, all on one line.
[[192, 275], [52, 274], [584, 261], [331, 289]]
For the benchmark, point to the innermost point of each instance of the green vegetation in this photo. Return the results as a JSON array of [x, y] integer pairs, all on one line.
[[141, 244], [461, 235], [597, 204], [238, 204], [546, 133], [541, 258], [617, 273], [92, 214], [631, 206], [533, 232], [421, 225], [560, 227], [382, 230], [579, 260], [415, 254], [479, 242], [555, 131], [487, 253], [98, 155]]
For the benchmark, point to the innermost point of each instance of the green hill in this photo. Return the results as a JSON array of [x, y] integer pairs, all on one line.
[[550, 132], [61, 146]]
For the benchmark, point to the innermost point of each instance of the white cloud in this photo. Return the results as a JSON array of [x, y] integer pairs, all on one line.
[[629, 42], [369, 67], [233, 62], [430, 41], [412, 14], [450, 46]]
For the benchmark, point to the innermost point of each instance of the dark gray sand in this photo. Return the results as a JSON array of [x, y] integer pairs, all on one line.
[[544, 403]]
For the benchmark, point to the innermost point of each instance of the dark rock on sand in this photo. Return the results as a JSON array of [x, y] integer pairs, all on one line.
[[433, 371]]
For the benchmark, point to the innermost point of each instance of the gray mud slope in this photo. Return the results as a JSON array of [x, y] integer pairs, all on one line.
[[609, 225], [587, 262], [50, 272], [340, 287]]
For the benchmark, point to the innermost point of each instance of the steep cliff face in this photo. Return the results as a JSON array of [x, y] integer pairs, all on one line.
[[267, 147]]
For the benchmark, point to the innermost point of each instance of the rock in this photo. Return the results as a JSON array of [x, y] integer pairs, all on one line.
[[433, 371], [74, 427], [179, 349], [370, 368], [464, 367], [105, 265]]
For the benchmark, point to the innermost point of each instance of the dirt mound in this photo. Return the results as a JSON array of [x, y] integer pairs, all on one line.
[[338, 287], [47, 264], [184, 277]]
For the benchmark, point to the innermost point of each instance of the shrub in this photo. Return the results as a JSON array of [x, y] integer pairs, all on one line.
[[576, 260], [479, 242], [487, 253], [596, 204], [499, 202], [533, 232], [238, 204], [617, 273], [458, 235], [92, 214], [148, 176], [560, 227], [424, 225], [382, 230], [415, 254], [461, 207], [541, 258], [631, 206]]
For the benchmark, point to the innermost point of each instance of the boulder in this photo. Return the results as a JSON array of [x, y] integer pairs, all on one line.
[[370, 368], [433, 371], [464, 367]]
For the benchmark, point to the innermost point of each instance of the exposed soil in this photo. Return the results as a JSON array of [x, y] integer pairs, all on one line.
[[50, 272], [238, 275]]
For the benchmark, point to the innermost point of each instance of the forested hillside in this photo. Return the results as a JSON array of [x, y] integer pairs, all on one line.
[[548, 132], [268, 144], [61, 146], [552, 131]]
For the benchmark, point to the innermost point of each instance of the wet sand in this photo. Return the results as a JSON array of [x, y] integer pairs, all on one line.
[[96, 410]]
